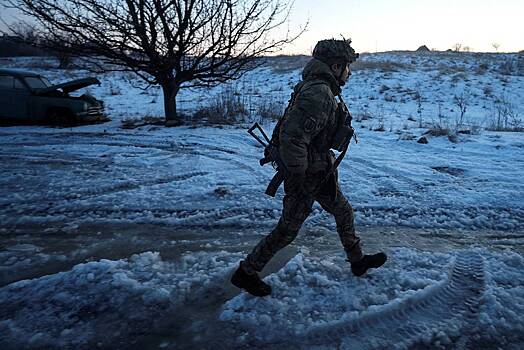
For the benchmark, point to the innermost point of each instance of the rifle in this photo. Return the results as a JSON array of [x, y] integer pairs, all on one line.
[[272, 156]]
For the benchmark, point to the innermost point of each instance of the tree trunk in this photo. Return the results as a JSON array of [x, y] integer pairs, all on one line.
[[170, 89]]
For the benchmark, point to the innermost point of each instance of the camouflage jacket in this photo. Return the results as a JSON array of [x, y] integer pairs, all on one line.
[[309, 122]]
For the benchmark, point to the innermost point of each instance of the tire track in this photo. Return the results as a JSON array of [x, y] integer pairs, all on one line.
[[455, 301], [98, 139], [122, 140], [366, 166], [108, 189], [257, 172], [446, 216], [179, 218]]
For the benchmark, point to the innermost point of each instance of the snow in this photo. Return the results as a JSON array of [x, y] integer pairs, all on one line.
[[118, 298], [114, 236], [150, 173], [311, 292], [317, 293]]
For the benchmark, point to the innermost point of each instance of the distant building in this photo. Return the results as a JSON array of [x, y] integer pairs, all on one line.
[[423, 48]]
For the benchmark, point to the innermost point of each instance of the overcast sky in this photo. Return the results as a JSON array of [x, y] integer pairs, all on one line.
[[381, 25]]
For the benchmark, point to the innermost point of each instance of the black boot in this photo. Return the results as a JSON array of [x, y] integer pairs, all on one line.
[[368, 261], [250, 282]]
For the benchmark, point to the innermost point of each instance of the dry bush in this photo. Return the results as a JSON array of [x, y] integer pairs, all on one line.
[[270, 108], [361, 116], [443, 127], [440, 126], [227, 108], [380, 126], [488, 91], [438, 130], [504, 117], [481, 69], [505, 68]]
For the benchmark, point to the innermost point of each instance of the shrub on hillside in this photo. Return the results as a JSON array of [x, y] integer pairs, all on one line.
[[227, 108], [270, 108], [504, 116], [439, 130], [512, 65]]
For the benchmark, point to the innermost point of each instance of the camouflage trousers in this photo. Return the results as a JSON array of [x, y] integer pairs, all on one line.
[[297, 206]]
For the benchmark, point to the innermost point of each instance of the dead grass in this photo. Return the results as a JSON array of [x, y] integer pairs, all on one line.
[[225, 109], [270, 109], [505, 116], [437, 130], [287, 63], [383, 66], [444, 69]]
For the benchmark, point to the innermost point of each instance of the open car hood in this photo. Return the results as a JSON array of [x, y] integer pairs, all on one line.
[[69, 86]]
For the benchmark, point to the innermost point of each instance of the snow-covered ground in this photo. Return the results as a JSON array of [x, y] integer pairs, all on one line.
[[84, 212]]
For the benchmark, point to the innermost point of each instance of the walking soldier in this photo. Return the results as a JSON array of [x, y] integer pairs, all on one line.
[[312, 125]]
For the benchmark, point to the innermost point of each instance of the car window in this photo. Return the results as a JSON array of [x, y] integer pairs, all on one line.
[[19, 85], [36, 82], [6, 81], [46, 82]]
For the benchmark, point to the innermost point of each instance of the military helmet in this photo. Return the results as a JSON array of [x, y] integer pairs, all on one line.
[[331, 51]]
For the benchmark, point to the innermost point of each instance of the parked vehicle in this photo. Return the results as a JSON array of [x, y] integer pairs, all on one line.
[[29, 98]]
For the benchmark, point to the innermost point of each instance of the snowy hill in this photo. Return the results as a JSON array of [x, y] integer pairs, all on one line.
[[78, 203]]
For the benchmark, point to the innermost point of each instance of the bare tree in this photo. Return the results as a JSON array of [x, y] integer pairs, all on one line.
[[462, 102], [65, 58], [496, 46], [457, 47], [25, 32], [172, 43], [26, 36]]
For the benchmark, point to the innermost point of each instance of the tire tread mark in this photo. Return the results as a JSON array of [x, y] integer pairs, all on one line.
[[455, 300]]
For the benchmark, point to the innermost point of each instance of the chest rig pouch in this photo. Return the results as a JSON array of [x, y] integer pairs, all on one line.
[[343, 129]]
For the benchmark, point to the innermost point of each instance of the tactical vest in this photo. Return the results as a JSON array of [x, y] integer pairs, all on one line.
[[322, 140]]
